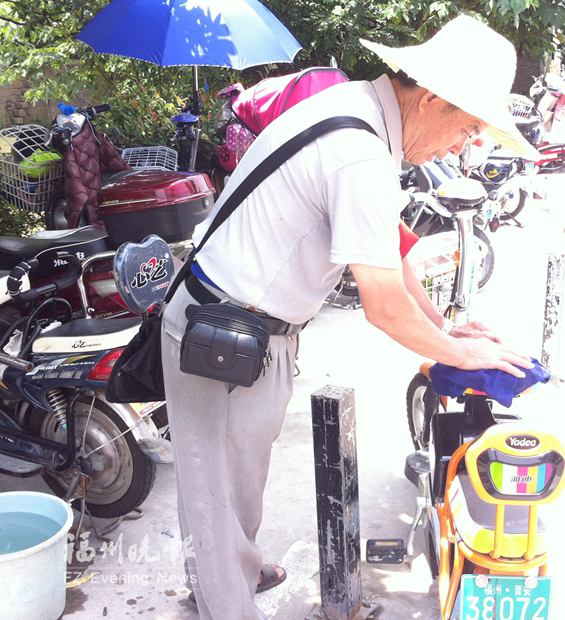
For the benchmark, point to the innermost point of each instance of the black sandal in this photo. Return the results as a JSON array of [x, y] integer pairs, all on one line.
[[270, 578]]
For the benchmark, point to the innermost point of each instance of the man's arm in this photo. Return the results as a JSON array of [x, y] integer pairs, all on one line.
[[389, 306], [473, 329]]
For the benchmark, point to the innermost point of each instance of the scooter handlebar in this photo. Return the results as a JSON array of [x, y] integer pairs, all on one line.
[[15, 362], [70, 276], [16, 275], [95, 110]]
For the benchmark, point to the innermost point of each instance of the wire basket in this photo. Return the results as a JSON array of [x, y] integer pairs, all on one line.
[[25, 183], [435, 259], [520, 106], [439, 289], [155, 157]]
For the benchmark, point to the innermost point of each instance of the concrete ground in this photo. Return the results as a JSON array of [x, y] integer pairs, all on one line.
[[139, 574]]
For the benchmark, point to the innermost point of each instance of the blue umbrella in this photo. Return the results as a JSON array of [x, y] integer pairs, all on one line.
[[223, 33]]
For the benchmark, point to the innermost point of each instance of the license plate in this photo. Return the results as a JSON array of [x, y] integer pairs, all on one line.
[[504, 598]]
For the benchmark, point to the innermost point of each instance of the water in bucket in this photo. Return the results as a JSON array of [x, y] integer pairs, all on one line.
[[21, 530], [33, 555]]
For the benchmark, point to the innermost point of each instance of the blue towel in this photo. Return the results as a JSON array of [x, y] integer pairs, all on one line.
[[499, 385]]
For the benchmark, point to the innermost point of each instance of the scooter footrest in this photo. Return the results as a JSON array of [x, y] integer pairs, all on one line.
[[17, 467], [385, 551]]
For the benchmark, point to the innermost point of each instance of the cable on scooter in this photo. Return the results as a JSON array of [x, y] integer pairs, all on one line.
[[35, 312]]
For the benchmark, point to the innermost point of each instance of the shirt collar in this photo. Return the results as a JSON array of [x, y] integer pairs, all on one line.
[[393, 121]]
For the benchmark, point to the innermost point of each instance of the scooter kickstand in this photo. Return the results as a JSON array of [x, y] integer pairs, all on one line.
[[420, 510]]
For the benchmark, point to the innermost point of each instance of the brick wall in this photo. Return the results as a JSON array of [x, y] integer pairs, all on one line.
[[15, 110]]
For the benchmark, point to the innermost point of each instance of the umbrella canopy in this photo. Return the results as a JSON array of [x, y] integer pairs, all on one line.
[[223, 33]]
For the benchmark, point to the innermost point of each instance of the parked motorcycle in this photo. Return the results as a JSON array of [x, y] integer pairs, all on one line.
[[507, 179], [426, 216], [535, 117], [94, 293], [101, 187], [130, 205], [54, 417]]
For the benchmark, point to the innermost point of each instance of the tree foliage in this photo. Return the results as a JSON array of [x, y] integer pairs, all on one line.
[[37, 43], [331, 28]]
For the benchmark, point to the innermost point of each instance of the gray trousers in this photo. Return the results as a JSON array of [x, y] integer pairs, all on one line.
[[222, 437]]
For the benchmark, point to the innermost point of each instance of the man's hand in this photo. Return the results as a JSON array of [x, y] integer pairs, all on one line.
[[483, 353], [388, 305], [473, 329]]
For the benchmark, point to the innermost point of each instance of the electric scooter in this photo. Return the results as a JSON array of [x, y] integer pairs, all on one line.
[[481, 478], [55, 419]]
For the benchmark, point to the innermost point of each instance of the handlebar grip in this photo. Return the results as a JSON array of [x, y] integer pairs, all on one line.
[[17, 273], [15, 362], [70, 276], [93, 111]]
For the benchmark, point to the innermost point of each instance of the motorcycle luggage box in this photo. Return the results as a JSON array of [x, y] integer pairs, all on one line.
[[164, 203]]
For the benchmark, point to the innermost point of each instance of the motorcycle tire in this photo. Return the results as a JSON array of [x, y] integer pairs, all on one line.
[[123, 475], [486, 267], [511, 213], [421, 403], [347, 285], [56, 214]]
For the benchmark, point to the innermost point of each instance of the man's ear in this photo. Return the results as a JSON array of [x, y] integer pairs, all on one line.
[[426, 98]]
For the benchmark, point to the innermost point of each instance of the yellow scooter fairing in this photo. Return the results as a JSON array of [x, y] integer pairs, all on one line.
[[490, 510]]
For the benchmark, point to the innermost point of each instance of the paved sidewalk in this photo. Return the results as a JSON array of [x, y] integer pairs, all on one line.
[[140, 575]]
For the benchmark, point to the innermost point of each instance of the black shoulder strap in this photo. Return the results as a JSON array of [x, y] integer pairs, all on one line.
[[275, 160], [264, 170]]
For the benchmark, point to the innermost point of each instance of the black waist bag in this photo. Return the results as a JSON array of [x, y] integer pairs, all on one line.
[[225, 343]]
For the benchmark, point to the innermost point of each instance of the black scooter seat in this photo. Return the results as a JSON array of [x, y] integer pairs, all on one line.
[[14, 250]]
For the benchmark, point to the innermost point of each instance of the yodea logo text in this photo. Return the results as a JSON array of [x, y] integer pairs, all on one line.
[[522, 442]]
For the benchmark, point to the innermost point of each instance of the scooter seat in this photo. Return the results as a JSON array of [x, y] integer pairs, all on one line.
[[474, 520], [14, 250], [84, 335]]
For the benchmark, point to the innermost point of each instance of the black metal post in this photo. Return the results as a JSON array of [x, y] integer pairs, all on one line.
[[337, 497], [551, 349]]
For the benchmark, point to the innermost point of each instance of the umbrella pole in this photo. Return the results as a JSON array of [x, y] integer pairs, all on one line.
[[196, 111]]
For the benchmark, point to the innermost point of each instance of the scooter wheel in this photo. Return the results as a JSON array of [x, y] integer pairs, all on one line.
[[510, 207], [56, 216], [122, 476], [421, 403], [56, 213], [486, 252]]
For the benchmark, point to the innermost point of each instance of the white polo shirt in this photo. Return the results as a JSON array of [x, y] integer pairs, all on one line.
[[334, 203]]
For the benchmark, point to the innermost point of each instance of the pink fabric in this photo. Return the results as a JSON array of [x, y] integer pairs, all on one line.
[[259, 105], [238, 139]]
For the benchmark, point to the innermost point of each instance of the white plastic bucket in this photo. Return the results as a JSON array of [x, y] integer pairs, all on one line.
[[33, 555]]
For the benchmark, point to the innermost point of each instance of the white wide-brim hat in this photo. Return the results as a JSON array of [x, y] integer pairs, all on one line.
[[471, 66]]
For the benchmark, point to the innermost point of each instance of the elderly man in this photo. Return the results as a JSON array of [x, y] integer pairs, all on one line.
[[336, 202]]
